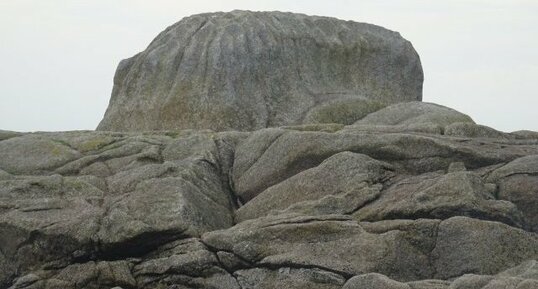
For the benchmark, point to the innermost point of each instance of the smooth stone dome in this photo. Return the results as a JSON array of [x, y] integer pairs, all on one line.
[[247, 70]]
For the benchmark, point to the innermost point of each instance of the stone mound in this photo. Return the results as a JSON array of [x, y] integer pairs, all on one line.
[[250, 70]]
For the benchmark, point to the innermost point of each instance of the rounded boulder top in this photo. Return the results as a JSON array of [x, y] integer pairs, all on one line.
[[244, 70]]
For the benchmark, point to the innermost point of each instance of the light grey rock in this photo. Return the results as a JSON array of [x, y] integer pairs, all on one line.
[[410, 243], [517, 182], [260, 278], [482, 247], [47, 219], [270, 241], [268, 157], [5, 134], [321, 127], [413, 113], [186, 263], [404, 250], [341, 173], [456, 167], [522, 190], [314, 205], [527, 270], [104, 274], [249, 70], [525, 134], [250, 150], [136, 203], [201, 145], [88, 142], [467, 129], [471, 281], [182, 196], [421, 128], [513, 278], [429, 284], [341, 203], [34, 154], [440, 196], [374, 281], [492, 282], [166, 208], [527, 165], [342, 111], [231, 262]]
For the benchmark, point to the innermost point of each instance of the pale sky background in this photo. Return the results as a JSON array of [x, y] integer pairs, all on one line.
[[58, 58]]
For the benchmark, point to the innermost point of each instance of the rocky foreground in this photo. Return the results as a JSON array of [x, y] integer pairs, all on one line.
[[428, 201]]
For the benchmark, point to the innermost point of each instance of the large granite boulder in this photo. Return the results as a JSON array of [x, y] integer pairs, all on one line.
[[249, 70]]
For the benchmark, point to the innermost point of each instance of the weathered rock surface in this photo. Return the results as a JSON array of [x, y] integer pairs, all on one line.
[[341, 174], [523, 276], [440, 196], [431, 249], [115, 196], [517, 182], [249, 70], [353, 192], [308, 206], [415, 113]]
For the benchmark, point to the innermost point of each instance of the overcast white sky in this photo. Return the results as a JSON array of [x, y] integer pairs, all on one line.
[[57, 58]]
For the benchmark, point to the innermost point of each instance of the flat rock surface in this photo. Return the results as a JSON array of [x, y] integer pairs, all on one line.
[[247, 70]]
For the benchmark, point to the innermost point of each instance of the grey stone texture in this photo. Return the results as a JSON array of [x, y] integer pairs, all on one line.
[[293, 207], [247, 70], [347, 191]]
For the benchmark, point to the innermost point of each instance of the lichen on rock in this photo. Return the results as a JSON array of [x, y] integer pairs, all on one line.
[[358, 185]]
